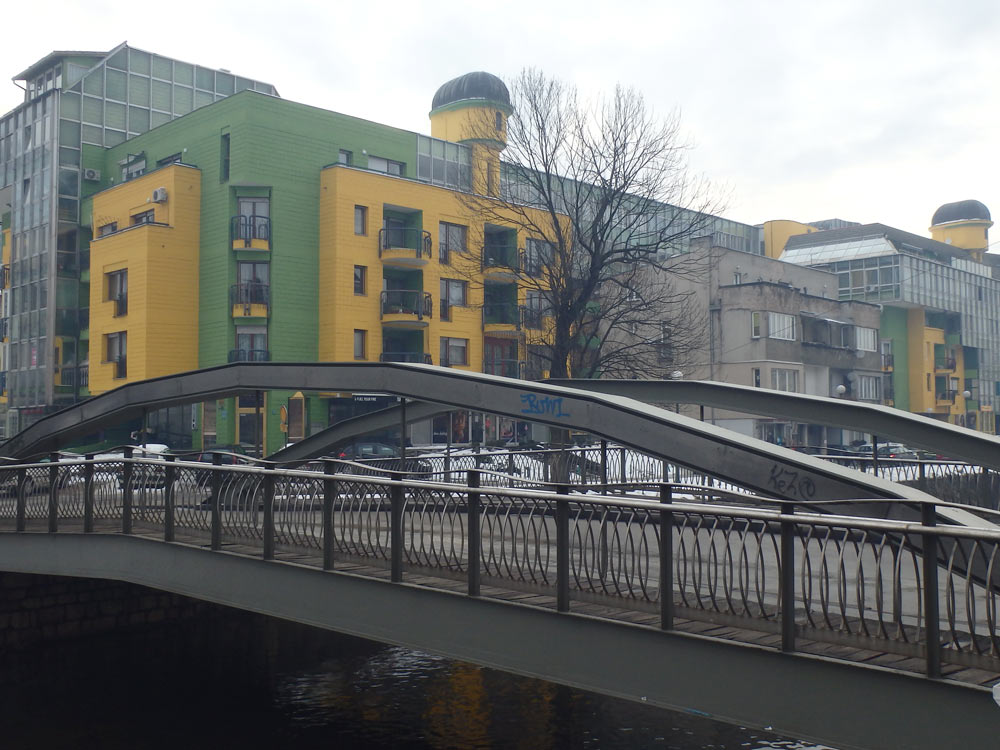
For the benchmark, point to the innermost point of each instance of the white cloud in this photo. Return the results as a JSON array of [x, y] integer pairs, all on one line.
[[866, 111]]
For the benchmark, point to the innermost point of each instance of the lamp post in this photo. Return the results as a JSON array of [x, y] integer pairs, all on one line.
[[966, 395], [677, 375]]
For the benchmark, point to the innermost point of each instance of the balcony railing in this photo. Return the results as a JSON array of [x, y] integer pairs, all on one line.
[[246, 229], [508, 368], [948, 396], [249, 355], [405, 357], [502, 313], [501, 257], [250, 293], [532, 317], [75, 376], [417, 240], [887, 362], [407, 302], [944, 363]]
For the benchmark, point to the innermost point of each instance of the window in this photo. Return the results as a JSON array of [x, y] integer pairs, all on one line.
[[783, 379], [361, 280], [870, 387], [755, 325], [251, 345], [737, 278], [666, 343], [378, 164], [755, 377], [172, 159], [345, 157], [865, 339], [454, 352], [361, 220], [538, 255], [105, 229], [115, 351], [499, 122], [451, 239], [453, 292], [117, 286], [224, 158], [781, 326], [134, 168], [255, 218], [360, 344], [146, 217]]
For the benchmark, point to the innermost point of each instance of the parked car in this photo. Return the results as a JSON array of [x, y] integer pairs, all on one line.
[[898, 451]]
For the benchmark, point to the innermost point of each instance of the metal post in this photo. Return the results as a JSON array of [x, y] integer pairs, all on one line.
[[623, 472], [269, 516], [402, 434], [604, 466], [475, 532], [447, 452], [396, 532], [922, 479], [787, 580], [170, 474], [562, 550], [666, 560], [701, 412], [216, 501], [875, 455], [22, 484], [53, 493], [88, 494], [329, 497], [258, 425], [127, 471], [932, 622]]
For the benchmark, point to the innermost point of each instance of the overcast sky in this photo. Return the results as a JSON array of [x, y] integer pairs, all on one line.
[[867, 110]]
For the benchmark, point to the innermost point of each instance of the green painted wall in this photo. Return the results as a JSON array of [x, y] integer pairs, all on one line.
[[893, 326], [277, 148]]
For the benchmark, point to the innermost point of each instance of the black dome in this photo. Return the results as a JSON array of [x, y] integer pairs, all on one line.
[[478, 85], [961, 211]]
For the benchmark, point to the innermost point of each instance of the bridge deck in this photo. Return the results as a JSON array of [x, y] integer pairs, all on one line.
[[700, 624]]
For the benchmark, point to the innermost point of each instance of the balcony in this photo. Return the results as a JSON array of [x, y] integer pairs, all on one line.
[[249, 355], [532, 318], [507, 368], [250, 232], [499, 316], [404, 247], [946, 397], [406, 308], [405, 357], [501, 261], [251, 299], [944, 364], [887, 362]]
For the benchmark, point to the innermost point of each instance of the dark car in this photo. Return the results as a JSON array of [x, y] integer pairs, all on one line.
[[379, 456]]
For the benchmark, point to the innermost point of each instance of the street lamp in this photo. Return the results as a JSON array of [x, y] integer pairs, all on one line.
[[967, 394], [840, 390], [677, 375]]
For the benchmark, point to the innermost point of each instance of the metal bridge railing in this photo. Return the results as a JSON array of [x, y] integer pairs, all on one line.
[[916, 589]]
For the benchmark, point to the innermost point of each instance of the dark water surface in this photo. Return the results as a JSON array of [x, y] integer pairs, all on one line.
[[242, 682]]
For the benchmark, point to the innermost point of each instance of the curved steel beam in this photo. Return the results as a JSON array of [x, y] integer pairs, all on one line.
[[885, 421], [745, 461]]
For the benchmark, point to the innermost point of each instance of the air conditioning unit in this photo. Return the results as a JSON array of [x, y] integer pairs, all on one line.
[[871, 288], [93, 175], [160, 195]]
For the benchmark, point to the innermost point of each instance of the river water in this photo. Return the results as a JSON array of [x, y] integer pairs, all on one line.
[[244, 682]]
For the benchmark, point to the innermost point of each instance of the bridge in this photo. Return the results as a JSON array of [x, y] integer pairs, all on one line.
[[846, 604]]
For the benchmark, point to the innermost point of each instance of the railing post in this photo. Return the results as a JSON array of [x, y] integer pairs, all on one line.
[[562, 549], [787, 579], [216, 502], [268, 516], [170, 474], [475, 532], [875, 455], [623, 471], [922, 478], [88, 494], [329, 496], [666, 559], [53, 493], [22, 483], [127, 471], [932, 624], [604, 466], [396, 532]]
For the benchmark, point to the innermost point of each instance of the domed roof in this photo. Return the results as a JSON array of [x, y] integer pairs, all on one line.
[[961, 211], [478, 85]]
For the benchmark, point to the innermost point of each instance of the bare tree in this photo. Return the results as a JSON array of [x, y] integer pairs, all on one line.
[[603, 192]]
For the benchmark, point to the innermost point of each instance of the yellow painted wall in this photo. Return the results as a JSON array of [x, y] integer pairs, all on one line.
[[162, 261], [966, 235], [777, 232], [476, 127], [341, 311]]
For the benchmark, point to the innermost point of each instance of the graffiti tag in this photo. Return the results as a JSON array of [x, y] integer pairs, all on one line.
[[542, 405], [787, 482]]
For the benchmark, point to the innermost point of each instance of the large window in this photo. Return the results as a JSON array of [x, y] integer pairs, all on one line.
[[251, 344], [443, 163], [866, 339], [538, 255], [451, 239], [784, 379], [535, 308], [870, 387], [255, 218], [115, 347], [117, 286], [454, 351], [453, 292], [781, 326]]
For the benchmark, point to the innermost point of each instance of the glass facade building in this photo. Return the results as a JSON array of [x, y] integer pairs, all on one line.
[[74, 100]]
